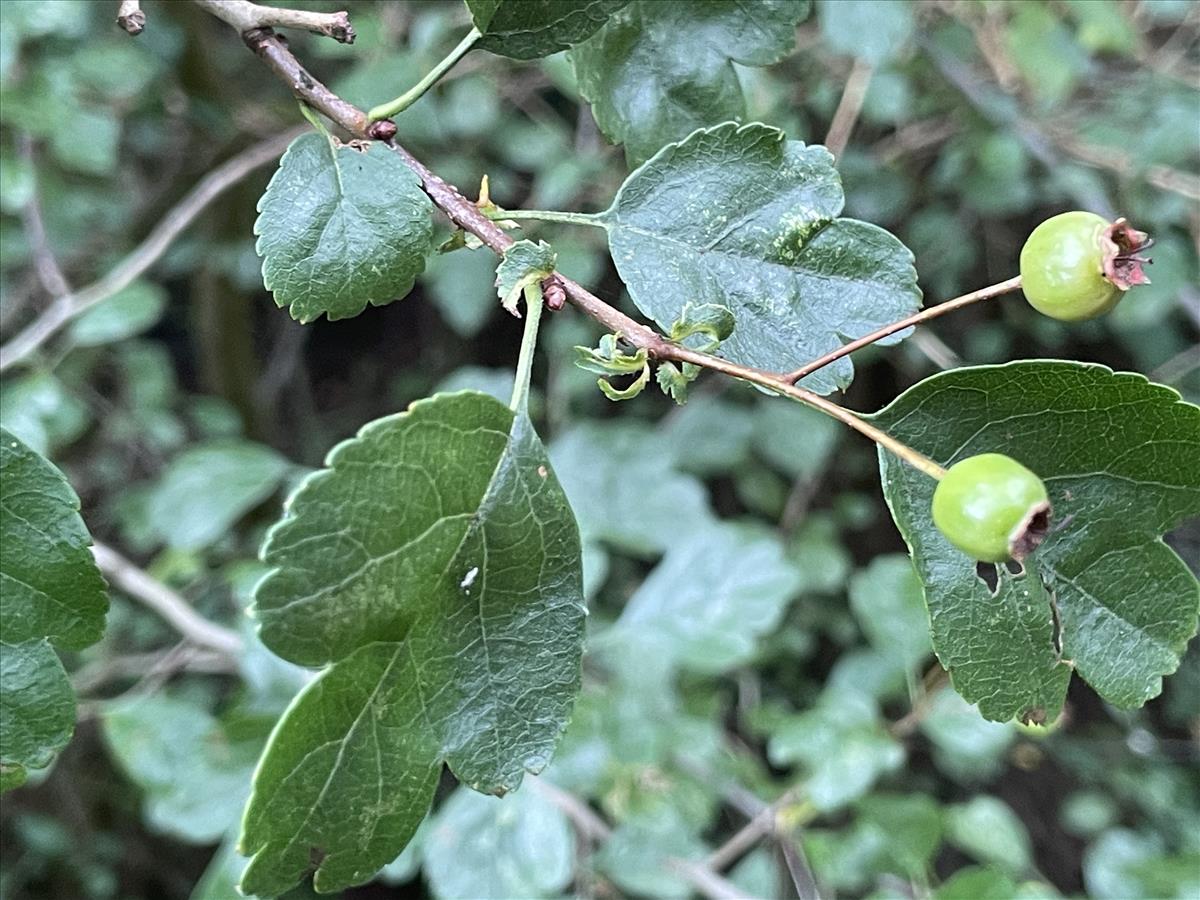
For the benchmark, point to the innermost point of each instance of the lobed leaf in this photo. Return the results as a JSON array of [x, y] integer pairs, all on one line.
[[1103, 596], [684, 51], [528, 29], [51, 595], [435, 562], [341, 226], [743, 218]]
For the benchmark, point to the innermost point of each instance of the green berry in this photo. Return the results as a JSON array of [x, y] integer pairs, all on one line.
[[1078, 266], [992, 508], [1062, 268]]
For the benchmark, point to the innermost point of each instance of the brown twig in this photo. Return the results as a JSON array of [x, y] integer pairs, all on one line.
[[848, 108], [913, 138], [1116, 160], [45, 265], [925, 315], [761, 824], [467, 216], [130, 16], [136, 665], [173, 608], [246, 16], [179, 217]]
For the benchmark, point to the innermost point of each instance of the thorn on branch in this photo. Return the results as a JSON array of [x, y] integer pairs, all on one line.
[[130, 17]]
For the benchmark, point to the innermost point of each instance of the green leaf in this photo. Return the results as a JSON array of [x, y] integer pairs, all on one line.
[[888, 602], [37, 709], [977, 883], [684, 51], [988, 829], [1118, 457], [528, 29], [710, 599], [842, 746], [710, 436], [872, 30], [741, 217], [40, 411], [494, 849], [207, 488], [795, 439], [635, 856], [436, 563], [1110, 863], [461, 286], [892, 834], [624, 488], [51, 595], [340, 227], [124, 314], [523, 264], [195, 773], [966, 746], [712, 320]]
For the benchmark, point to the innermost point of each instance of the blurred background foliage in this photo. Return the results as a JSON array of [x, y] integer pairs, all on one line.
[[755, 627]]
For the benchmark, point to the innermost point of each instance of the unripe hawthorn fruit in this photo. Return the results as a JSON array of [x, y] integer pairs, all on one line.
[[992, 508], [1077, 265]]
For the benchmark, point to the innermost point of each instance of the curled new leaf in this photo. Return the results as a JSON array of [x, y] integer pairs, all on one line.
[[609, 359]]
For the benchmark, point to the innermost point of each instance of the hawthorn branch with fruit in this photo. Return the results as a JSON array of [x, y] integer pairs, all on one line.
[[452, 634], [1075, 266]]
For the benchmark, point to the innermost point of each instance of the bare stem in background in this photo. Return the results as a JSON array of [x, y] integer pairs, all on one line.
[[45, 265], [592, 826], [173, 608], [846, 115], [245, 16], [135, 665], [179, 217]]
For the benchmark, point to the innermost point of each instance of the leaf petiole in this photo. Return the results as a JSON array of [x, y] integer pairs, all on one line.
[[533, 313], [414, 93]]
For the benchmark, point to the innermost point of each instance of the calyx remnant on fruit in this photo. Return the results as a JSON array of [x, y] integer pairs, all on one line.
[[1121, 243], [1078, 265], [1030, 533]]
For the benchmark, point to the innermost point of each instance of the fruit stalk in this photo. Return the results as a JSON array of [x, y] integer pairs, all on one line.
[[533, 314], [925, 315]]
